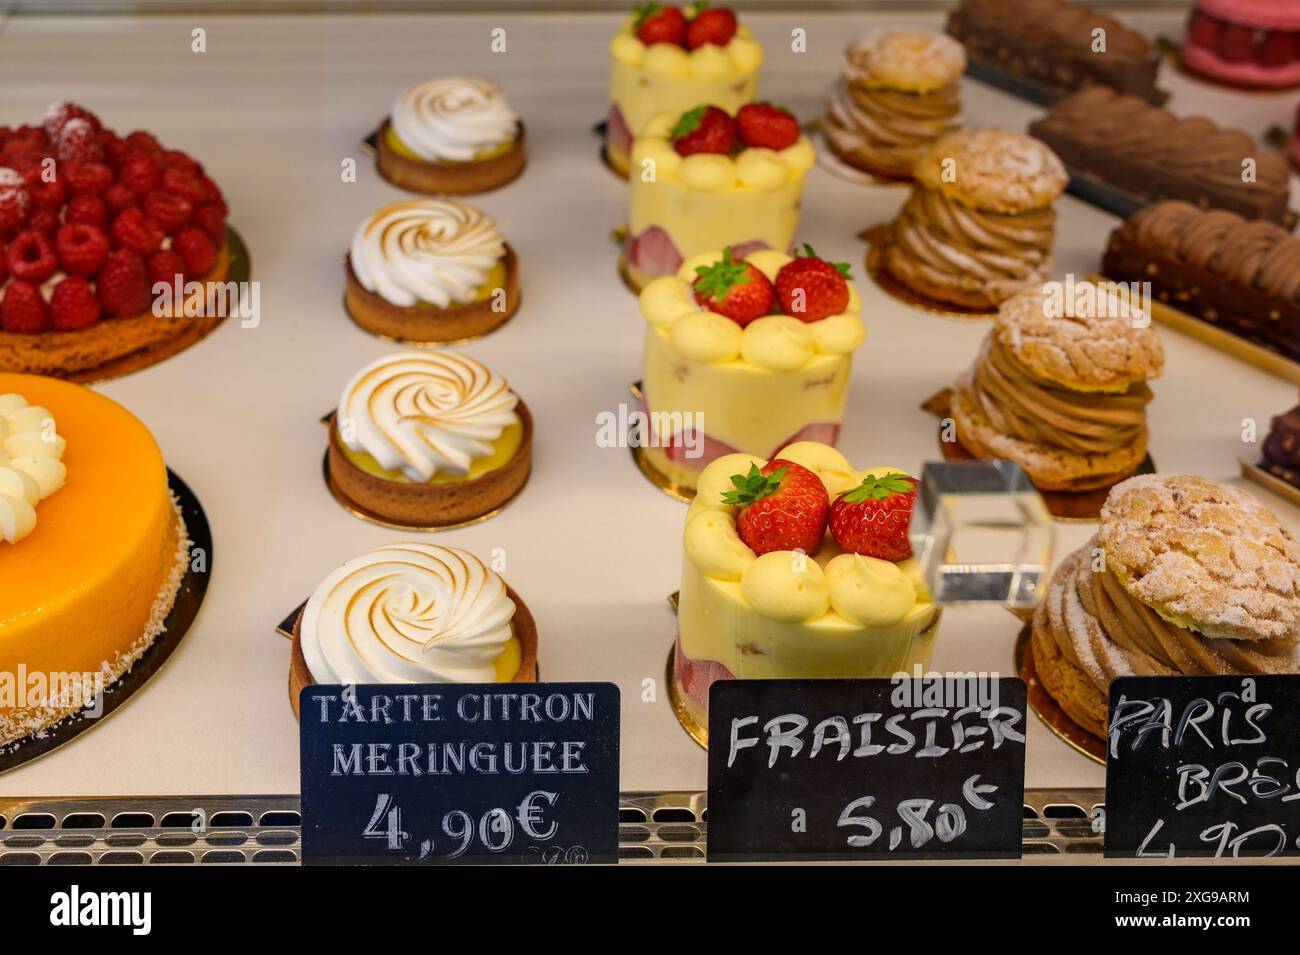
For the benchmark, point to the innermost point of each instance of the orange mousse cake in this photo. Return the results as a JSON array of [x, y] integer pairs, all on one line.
[[92, 548]]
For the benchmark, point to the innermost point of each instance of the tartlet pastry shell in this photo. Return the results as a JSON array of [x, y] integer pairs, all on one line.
[[421, 324], [452, 178]]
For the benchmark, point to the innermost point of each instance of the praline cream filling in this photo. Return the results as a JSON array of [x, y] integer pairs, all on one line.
[[453, 118], [31, 466], [407, 613]]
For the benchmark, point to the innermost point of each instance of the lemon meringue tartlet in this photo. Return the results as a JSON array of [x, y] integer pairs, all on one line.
[[413, 613], [785, 615], [648, 79], [429, 439], [430, 270], [680, 206], [753, 389], [93, 548], [454, 135]]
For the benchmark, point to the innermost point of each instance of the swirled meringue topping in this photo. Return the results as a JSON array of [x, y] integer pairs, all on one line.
[[426, 250], [423, 413], [407, 613], [453, 118], [31, 468]]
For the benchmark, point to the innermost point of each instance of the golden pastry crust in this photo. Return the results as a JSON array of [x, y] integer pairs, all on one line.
[[1080, 350], [956, 286], [434, 505], [1203, 555], [1050, 468], [914, 61], [1064, 682], [993, 169], [449, 178]]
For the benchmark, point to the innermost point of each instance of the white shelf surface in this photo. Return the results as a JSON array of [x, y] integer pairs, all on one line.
[[272, 110]]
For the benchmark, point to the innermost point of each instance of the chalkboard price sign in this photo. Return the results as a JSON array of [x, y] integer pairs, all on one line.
[[1205, 766], [859, 769], [439, 773]]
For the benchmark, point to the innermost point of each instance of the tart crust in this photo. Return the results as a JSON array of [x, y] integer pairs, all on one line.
[[450, 178], [431, 505], [428, 323], [115, 346], [523, 626]]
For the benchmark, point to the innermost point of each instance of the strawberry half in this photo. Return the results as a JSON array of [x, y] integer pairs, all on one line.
[[873, 518], [782, 507], [659, 24], [811, 289], [735, 289], [704, 129]]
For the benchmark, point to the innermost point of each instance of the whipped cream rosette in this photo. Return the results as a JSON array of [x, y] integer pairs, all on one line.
[[31, 466], [408, 613], [453, 118]]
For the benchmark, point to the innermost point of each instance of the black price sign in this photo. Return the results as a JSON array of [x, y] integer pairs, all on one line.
[[857, 769], [1205, 766], [439, 773]]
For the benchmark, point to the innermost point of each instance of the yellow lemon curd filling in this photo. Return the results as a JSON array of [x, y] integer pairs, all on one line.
[[503, 449], [753, 387], [507, 664], [399, 147], [786, 615], [496, 279]]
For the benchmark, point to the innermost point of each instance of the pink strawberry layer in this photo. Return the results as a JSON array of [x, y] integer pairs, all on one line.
[[617, 135], [694, 677], [654, 252], [1206, 62], [675, 447]]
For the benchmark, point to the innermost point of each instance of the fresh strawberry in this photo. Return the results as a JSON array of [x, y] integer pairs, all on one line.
[[873, 518], [15, 200], [82, 249], [140, 174], [59, 114], [44, 221], [810, 288], [211, 218], [76, 141], [164, 266], [710, 26], [1275, 50], [73, 305], [131, 230], [23, 310], [1203, 29], [118, 197], [705, 129], [87, 177], [31, 257], [735, 289], [782, 507], [762, 124], [197, 251], [660, 24], [170, 211], [1236, 44], [125, 285], [88, 210]]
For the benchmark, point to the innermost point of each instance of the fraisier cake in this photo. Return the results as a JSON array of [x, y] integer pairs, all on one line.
[[93, 547], [704, 181], [733, 363], [753, 606], [662, 63]]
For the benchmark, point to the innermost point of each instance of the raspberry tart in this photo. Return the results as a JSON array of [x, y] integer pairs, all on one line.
[[744, 355], [664, 60], [93, 227], [797, 568], [706, 180]]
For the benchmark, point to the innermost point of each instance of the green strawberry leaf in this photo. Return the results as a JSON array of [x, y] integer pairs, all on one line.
[[720, 278], [644, 11], [754, 486], [689, 122], [879, 488], [842, 267]]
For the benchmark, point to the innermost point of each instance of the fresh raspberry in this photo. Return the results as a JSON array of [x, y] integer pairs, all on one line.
[[762, 124], [132, 230], [87, 209], [210, 191], [60, 113], [15, 200], [17, 154], [170, 211], [124, 285], [705, 129], [23, 309], [73, 305], [660, 24], [87, 177], [175, 159], [4, 265], [715, 26], [164, 266], [48, 194], [183, 184], [197, 250], [144, 142], [118, 197], [117, 151], [140, 174], [44, 221], [82, 249], [211, 218], [31, 257], [1274, 50], [77, 141]]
